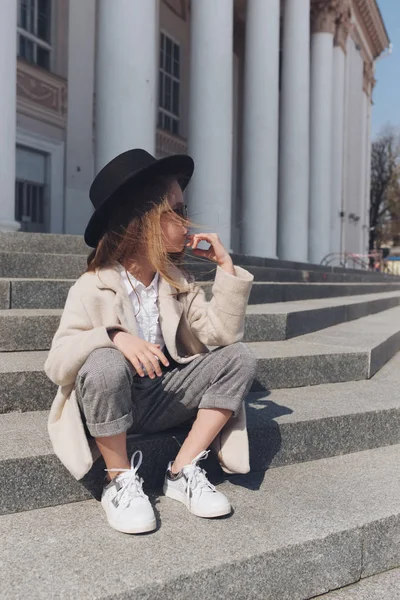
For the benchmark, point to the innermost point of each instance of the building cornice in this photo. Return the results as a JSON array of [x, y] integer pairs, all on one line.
[[369, 16]]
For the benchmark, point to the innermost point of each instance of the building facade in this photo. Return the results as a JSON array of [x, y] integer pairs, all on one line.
[[272, 98]]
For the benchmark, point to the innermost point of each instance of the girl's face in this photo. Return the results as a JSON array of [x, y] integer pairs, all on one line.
[[174, 230]]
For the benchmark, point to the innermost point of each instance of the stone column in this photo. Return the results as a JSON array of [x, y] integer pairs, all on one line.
[[338, 122], [211, 115], [79, 147], [368, 85], [323, 16], [366, 223], [363, 171], [126, 77], [353, 149], [8, 101], [346, 145], [261, 128], [294, 132]]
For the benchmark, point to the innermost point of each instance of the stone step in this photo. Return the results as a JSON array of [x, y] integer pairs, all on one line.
[[389, 372], [33, 329], [285, 320], [23, 382], [290, 264], [275, 270], [43, 266], [296, 532], [39, 265], [293, 292], [285, 427], [309, 275], [44, 243], [52, 293], [384, 586], [22, 330], [34, 293], [346, 352]]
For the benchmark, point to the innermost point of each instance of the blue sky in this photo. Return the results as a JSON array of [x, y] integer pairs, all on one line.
[[386, 96]]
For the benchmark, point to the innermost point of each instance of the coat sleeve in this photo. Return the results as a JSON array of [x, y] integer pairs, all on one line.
[[220, 321], [74, 340]]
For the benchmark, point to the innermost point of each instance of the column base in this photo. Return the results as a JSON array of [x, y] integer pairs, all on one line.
[[6, 226]]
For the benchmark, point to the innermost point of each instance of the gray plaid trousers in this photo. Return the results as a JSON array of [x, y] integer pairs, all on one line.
[[114, 399]]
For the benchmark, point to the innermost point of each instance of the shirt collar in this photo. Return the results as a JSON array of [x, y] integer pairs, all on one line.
[[136, 283]]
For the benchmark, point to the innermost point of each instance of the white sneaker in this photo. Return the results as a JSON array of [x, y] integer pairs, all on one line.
[[126, 505], [191, 487]]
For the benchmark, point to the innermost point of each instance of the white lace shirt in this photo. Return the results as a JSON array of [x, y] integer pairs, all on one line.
[[145, 307]]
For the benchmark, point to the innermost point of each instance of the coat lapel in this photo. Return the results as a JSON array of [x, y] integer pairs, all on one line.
[[110, 279]]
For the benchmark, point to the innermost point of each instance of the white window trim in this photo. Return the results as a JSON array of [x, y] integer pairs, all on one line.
[[33, 38], [178, 80], [55, 150]]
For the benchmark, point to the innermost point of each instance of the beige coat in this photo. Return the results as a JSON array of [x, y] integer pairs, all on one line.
[[98, 302]]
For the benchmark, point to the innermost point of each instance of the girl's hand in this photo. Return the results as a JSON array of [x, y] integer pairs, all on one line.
[[216, 252], [140, 353]]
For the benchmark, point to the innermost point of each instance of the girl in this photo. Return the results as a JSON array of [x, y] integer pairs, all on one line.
[[130, 353]]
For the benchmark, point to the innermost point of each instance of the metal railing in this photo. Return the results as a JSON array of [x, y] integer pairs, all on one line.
[[372, 261]]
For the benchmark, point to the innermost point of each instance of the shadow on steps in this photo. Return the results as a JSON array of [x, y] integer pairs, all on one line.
[[159, 448]]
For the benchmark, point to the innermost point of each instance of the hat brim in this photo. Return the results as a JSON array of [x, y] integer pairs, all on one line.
[[180, 166]]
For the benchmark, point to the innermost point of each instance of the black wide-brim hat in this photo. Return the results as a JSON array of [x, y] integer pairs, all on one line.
[[126, 174]]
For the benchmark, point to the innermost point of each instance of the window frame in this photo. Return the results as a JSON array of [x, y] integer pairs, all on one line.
[[34, 38], [40, 188], [37, 205], [164, 112]]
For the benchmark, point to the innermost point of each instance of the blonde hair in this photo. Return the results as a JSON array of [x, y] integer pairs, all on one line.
[[129, 233]]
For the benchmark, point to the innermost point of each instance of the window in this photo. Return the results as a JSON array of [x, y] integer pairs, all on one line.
[[31, 189], [34, 31], [29, 204], [169, 85]]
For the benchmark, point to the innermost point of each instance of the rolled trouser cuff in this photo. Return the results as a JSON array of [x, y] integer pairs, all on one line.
[[109, 428], [232, 403]]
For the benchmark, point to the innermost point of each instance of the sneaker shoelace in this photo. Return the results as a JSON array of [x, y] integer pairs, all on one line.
[[197, 477], [131, 482]]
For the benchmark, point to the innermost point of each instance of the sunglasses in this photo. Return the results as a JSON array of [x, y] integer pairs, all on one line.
[[181, 211]]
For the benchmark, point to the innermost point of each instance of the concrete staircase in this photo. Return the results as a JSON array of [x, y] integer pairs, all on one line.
[[321, 508]]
